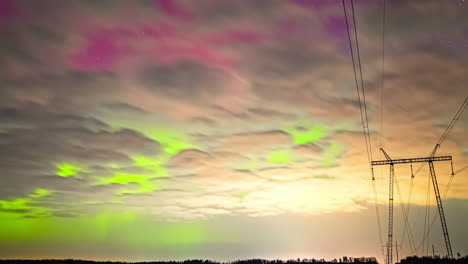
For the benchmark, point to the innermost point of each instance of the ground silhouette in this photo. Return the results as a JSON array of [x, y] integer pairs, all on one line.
[[348, 260], [434, 260]]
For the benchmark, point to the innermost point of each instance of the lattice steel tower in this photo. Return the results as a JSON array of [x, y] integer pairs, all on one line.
[[431, 161]]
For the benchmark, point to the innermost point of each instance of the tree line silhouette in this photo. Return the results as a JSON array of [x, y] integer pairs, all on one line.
[[347, 260], [434, 260]]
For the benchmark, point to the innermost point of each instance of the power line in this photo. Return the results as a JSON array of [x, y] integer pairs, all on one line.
[[426, 216], [447, 189], [364, 117], [443, 137], [439, 142], [449, 128], [410, 195], [376, 201], [405, 217], [379, 226], [356, 81], [362, 79], [453, 122], [462, 169], [384, 7]]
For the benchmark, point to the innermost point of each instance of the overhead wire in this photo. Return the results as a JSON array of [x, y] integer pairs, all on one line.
[[362, 79], [376, 202], [410, 195], [454, 121], [357, 67], [443, 137], [460, 170], [428, 216], [447, 189], [366, 131], [356, 81], [382, 78], [449, 128], [426, 219], [405, 216], [368, 143], [376, 199]]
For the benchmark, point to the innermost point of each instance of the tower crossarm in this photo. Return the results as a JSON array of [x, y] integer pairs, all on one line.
[[385, 153], [413, 160]]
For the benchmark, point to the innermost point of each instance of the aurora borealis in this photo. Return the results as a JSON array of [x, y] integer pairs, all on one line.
[[222, 129]]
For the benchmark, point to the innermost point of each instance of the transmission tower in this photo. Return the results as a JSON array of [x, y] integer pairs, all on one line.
[[431, 161], [390, 162]]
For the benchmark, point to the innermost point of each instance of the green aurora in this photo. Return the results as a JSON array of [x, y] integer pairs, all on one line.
[[280, 157], [27, 206], [174, 141], [303, 132], [106, 227], [67, 170]]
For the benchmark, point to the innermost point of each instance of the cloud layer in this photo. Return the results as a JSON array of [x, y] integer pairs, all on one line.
[[189, 111]]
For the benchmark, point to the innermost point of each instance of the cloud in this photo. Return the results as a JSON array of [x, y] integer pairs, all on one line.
[[38, 146], [242, 143], [61, 92], [222, 108], [27, 206], [185, 79]]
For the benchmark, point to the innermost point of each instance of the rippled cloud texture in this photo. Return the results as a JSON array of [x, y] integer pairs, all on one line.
[[219, 129]]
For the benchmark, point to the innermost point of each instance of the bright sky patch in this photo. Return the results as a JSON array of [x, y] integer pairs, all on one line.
[[67, 170]]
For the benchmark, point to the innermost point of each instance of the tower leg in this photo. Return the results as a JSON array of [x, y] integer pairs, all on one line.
[[441, 210]]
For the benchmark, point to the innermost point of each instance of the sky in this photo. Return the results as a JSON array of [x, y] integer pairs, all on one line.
[[218, 129]]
